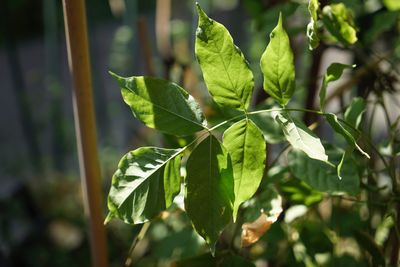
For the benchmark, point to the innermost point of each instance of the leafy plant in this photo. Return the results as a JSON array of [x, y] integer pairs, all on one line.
[[227, 178]]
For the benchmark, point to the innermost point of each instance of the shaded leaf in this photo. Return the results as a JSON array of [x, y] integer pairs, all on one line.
[[335, 124], [209, 189], [277, 66], [354, 112], [225, 70], [246, 146], [339, 22], [140, 188], [322, 176], [368, 243], [333, 73], [300, 137], [298, 192], [161, 105], [312, 31]]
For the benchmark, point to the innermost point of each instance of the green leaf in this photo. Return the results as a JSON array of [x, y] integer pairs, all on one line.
[[322, 176], [354, 112], [143, 186], [161, 105], [225, 70], [300, 137], [278, 67], [209, 189], [339, 22], [298, 192], [381, 22], [393, 5], [246, 146], [312, 31], [333, 73], [335, 124], [172, 179]]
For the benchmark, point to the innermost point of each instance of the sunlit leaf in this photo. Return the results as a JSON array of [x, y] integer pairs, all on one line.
[[392, 5], [333, 73], [141, 188], [209, 189], [278, 67], [339, 22], [298, 192], [300, 137], [312, 31], [225, 70], [161, 105], [246, 146]]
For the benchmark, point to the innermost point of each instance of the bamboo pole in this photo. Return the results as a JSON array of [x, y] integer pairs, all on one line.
[[85, 127]]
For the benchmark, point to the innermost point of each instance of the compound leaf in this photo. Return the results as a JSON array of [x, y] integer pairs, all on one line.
[[246, 146], [141, 187], [225, 70], [209, 189], [278, 67], [161, 105]]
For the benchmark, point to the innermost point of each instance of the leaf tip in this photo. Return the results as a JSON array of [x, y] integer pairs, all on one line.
[[108, 218], [202, 15]]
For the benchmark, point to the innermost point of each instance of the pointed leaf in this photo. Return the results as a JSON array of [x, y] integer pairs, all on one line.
[[246, 146], [225, 70], [354, 112], [140, 188], [161, 105], [339, 22], [322, 176], [312, 31], [335, 124], [333, 73], [278, 67], [300, 137], [209, 189]]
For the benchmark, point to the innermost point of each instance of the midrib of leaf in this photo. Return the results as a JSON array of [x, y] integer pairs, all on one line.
[[161, 107], [218, 51], [277, 68], [151, 173], [243, 153]]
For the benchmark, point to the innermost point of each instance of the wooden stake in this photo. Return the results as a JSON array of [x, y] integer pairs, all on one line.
[[85, 127]]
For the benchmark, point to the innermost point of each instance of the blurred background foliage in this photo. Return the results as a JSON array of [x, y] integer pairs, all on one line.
[[41, 214]]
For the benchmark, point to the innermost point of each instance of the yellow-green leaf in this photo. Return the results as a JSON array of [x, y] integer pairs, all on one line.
[[278, 67]]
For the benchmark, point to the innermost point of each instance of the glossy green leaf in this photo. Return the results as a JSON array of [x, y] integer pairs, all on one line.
[[312, 31], [393, 5], [278, 67], [354, 112], [142, 186], [246, 146], [300, 137], [209, 189], [322, 176], [339, 22], [225, 70], [333, 73], [335, 124], [161, 105]]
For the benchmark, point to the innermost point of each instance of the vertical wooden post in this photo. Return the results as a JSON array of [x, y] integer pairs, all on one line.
[[85, 127]]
